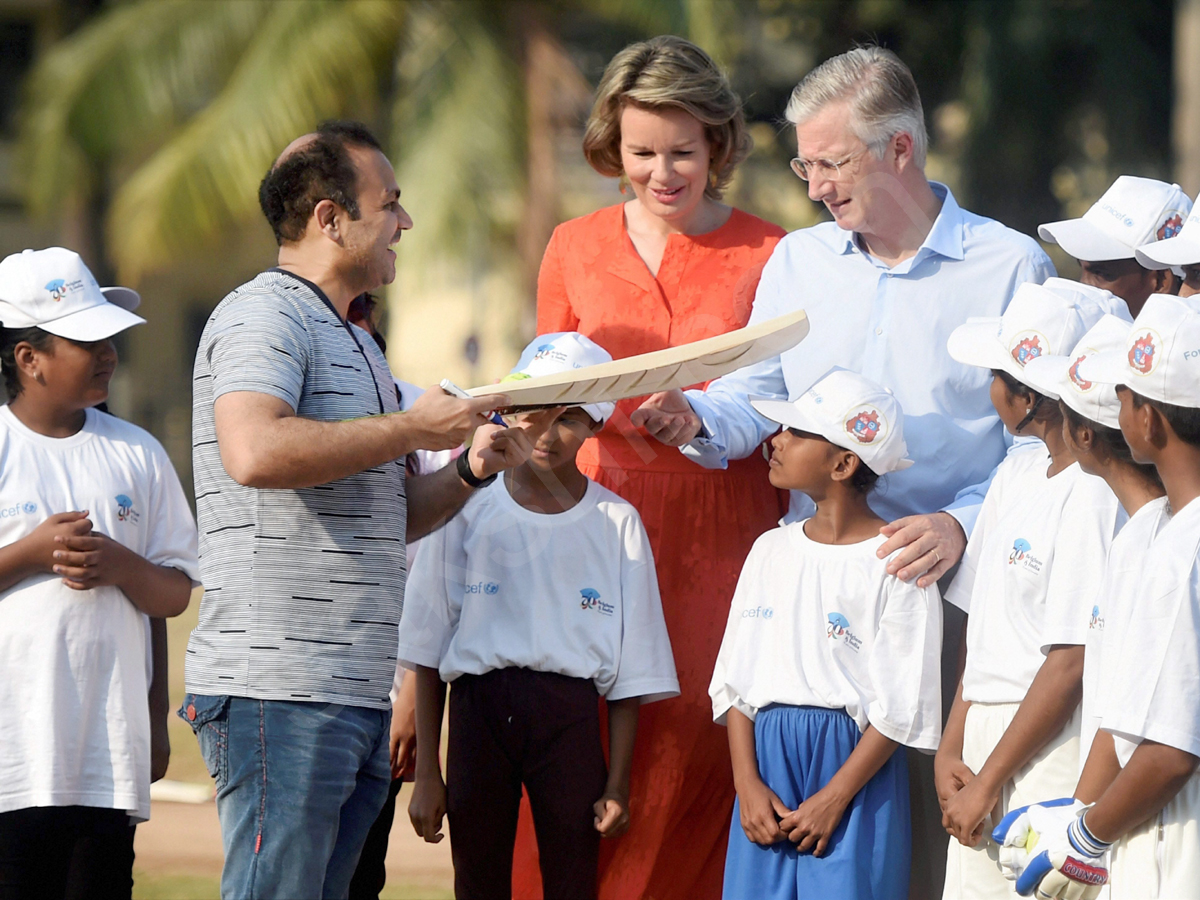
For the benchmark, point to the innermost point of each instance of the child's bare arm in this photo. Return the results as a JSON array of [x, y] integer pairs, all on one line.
[[95, 560], [34, 553], [612, 809], [1154, 775], [760, 807], [1100, 769], [950, 773], [1047, 707], [812, 825], [427, 808]]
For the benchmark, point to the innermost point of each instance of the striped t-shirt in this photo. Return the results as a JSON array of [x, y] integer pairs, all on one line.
[[302, 588]]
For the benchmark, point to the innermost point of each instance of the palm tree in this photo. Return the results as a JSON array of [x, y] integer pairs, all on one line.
[[158, 117]]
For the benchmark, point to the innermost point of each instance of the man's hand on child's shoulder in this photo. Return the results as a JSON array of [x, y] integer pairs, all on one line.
[[612, 814]]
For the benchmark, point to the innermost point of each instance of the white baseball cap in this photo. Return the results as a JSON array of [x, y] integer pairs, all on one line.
[[1160, 356], [1085, 296], [851, 412], [1132, 213], [548, 354], [53, 290], [1058, 376], [1181, 249], [1037, 322]]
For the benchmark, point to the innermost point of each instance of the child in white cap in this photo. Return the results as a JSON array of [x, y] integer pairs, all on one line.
[[539, 597], [95, 536], [1132, 213], [1092, 430], [828, 664], [1143, 829], [1030, 572], [1180, 253]]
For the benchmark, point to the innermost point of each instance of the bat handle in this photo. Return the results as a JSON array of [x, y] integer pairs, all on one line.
[[454, 390]]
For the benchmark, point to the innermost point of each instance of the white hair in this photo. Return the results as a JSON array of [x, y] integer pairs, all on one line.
[[881, 92]]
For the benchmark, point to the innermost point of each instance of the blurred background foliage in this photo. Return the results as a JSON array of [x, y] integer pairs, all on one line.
[[137, 132]]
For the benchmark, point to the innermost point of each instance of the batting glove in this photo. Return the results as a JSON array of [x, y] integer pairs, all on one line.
[[1066, 865], [1017, 834]]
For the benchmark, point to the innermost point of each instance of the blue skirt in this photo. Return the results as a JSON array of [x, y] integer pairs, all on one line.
[[799, 749]]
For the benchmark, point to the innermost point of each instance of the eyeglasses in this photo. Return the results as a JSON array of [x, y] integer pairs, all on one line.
[[828, 168]]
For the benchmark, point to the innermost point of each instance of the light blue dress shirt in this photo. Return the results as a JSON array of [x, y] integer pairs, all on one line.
[[890, 325]]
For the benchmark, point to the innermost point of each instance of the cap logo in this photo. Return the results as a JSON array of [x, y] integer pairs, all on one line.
[[1118, 215], [1026, 349], [1143, 354], [57, 288], [1073, 373], [865, 426], [1170, 227]]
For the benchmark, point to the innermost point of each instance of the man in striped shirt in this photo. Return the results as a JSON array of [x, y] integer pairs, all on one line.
[[304, 510]]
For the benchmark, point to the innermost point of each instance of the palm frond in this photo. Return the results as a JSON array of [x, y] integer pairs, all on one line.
[[308, 60], [121, 82], [458, 127]]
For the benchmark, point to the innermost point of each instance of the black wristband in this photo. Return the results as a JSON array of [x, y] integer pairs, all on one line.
[[463, 466]]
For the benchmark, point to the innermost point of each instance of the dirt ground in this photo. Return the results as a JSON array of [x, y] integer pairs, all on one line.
[[184, 839]]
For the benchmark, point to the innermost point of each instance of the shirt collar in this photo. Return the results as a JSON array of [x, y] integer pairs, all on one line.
[[944, 238]]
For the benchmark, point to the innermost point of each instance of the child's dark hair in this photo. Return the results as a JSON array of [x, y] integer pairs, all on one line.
[[864, 478], [1184, 420], [1110, 439], [9, 338], [1020, 389]]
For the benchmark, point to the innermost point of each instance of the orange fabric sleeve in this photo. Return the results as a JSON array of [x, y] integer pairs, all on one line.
[[554, 312]]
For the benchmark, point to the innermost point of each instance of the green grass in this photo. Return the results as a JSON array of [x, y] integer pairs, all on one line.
[[198, 887]]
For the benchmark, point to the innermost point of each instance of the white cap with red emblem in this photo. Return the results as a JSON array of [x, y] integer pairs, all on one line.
[[1160, 356], [850, 411], [1133, 212], [1037, 322], [1058, 376]]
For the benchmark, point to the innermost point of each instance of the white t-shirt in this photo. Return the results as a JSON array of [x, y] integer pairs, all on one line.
[[1031, 571], [574, 593], [1111, 618], [428, 461], [824, 625], [1156, 680], [74, 718]]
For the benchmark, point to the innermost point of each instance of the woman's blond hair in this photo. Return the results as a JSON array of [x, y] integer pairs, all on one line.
[[668, 72]]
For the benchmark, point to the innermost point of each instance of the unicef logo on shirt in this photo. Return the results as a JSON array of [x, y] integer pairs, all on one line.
[[482, 587], [759, 612], [491, 588], [838, 629], [590, 599], [28, 508]]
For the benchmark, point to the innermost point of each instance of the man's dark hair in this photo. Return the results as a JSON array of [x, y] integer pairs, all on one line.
[[319, 170], [9, 338], [1184, 420]]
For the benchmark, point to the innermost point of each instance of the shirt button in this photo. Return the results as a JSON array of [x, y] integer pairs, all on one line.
[[191, 713], [879, 331]]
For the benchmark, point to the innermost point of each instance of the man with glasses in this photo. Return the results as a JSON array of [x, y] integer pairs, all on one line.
[[899, 267]]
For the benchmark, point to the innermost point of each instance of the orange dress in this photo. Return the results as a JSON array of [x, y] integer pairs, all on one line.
[[701, 525]]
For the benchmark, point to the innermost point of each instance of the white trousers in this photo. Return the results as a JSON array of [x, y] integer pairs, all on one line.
[[973, 873], [1160, 859]]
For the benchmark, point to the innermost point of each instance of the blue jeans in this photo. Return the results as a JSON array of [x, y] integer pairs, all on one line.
[[298, 787]]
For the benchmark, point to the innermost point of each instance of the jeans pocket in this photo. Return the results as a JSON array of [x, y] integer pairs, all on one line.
[[209, 718]]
